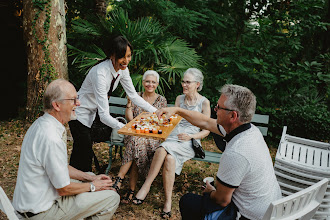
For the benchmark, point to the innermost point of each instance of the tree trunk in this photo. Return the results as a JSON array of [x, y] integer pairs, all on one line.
[[45, 38]]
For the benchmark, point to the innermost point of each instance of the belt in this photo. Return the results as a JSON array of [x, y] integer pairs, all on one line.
[[28, 214]]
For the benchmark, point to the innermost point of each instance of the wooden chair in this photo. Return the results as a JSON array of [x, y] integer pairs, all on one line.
[[300, 163], [300, 205], [6, 206]]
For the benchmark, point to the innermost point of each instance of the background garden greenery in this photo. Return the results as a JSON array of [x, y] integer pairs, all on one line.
[[278, 49]]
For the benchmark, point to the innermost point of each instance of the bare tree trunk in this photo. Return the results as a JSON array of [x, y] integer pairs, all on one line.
[[45, 38]]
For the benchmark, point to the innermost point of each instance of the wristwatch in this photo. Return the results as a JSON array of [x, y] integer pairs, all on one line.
[[92, 187]]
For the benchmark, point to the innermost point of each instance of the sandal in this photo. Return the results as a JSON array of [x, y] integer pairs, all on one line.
[[115, 185], [127, 196], [137, 201], [166, 215]]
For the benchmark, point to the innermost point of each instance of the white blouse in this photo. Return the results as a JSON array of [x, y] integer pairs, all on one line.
[[93, 94]]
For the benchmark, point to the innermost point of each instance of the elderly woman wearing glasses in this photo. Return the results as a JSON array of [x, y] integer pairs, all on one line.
[[139, 150], [178, 147]]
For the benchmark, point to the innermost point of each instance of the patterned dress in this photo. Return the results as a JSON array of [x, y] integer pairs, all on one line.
[[141, 149]]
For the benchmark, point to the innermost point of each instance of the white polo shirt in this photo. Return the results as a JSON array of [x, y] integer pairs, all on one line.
[[247, 166], [93, 94], [43, 166]]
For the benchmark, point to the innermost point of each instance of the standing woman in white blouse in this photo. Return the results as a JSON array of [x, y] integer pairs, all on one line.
[[93, 96]]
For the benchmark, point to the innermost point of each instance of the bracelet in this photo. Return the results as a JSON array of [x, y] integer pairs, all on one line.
[[128, 107]]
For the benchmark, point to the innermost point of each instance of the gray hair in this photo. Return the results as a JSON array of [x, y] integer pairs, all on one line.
[[240, 99], [197, 74], [54, 91], [151, 73]]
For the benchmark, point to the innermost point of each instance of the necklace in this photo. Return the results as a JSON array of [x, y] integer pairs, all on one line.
[[193, 103]]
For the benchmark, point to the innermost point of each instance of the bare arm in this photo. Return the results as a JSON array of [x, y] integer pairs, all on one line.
[[196, 118]]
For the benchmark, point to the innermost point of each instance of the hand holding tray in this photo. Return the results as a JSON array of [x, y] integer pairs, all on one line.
[[166, 129]]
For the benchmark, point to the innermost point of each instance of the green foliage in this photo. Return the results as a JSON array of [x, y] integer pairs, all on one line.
[[154, 47], [308, 121], [278, 49]]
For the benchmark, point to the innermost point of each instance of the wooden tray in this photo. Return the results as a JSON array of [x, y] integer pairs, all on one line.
[[167, 130]]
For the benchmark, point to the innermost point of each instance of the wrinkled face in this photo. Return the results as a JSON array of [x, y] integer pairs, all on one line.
[[189, 84], [123, 62], [150, 83], [68, 104]]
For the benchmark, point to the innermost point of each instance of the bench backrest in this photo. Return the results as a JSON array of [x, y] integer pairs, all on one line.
[[261, 121], [118, 107]]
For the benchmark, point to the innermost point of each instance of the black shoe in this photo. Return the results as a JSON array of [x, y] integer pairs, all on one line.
[[166, 215]]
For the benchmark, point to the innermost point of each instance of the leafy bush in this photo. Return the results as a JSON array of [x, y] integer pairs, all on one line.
[[309, 121]]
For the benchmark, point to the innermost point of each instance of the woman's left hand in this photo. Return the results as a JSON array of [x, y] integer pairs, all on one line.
[[184, 137]]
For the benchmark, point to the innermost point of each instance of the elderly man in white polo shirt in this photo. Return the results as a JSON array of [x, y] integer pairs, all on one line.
[[44, 189], [245, 180]]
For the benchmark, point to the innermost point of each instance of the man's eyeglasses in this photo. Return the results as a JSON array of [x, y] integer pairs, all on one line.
[[217, 107], [187, 82], [150, 82], [73, 99]]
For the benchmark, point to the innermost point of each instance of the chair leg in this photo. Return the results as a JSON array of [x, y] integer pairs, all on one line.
[[116, 149], [121, 152], [110, 160]]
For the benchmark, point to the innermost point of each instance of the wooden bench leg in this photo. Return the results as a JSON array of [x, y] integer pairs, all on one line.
[[110, 160]]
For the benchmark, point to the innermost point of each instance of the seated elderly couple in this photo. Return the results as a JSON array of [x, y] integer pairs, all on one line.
[[48, 188]]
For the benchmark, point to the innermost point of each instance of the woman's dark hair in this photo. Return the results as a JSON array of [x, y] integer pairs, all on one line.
[[118, 47]]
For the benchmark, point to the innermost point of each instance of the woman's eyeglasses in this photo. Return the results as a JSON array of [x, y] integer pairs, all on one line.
[[150, 82], [73, 99], [187, 82]]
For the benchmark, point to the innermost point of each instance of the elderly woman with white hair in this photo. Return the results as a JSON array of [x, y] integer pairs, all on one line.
[[178, 147], [139, 150]]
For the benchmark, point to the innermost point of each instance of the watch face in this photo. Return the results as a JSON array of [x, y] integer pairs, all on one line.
[[92, 187]]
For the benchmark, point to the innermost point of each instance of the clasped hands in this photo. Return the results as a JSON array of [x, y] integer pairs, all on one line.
[[103, 182]]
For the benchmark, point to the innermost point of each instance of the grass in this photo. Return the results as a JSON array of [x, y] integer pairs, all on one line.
[[190, 180]]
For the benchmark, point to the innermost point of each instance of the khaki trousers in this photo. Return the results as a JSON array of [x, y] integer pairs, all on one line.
[[89, 205]]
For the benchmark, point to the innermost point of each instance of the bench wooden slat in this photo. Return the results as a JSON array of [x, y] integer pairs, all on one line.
[[263, 119], [117, 100], [211, 157], [263, 130], [117, 110]]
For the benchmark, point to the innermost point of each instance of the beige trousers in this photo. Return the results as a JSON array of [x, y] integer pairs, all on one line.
[[89, 205]]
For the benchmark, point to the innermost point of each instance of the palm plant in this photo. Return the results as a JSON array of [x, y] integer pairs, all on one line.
[[154, 47]]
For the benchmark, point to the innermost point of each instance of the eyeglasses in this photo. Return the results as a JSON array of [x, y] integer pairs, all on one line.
[[187, 82], [217, 107], [73, 99], [150, 82]]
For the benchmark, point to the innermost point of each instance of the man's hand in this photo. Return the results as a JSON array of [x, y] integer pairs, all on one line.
[[167, 111], [102, 177], [102, 184], [208, 187]]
